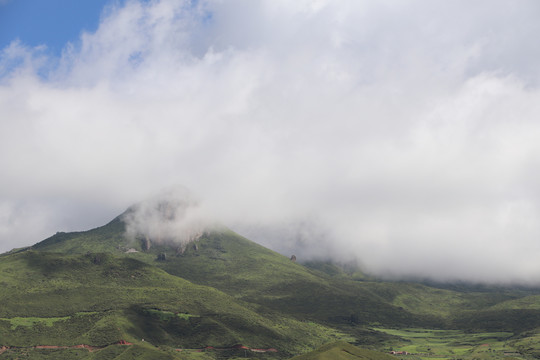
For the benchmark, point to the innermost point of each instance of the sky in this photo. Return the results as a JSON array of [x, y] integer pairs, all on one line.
[[51, 23], [399, 134]]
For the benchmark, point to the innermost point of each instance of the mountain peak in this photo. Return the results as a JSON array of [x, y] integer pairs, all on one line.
[[174, 217]]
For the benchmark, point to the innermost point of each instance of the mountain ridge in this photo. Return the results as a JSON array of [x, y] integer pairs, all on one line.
[[98, 287]]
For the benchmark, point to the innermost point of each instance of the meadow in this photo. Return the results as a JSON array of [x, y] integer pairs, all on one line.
[[453, 344]]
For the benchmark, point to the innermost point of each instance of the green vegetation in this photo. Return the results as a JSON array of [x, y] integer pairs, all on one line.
[[224, 296], [429, 343], [343, 351], [32, 321], [126, 299]]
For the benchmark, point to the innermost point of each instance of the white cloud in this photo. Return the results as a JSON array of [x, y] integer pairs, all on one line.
[[174, 217], [381, 130]]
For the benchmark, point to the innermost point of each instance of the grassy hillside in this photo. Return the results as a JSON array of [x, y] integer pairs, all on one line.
[[108, 238], [220, 291], [254, 274], [343, 351], [100, 299]]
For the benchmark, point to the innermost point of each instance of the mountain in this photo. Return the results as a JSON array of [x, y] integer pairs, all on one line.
[[251, 273], [104, 298], [102, 294]]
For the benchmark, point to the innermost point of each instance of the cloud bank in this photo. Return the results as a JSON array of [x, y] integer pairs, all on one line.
[[403, 134], [173, 218]]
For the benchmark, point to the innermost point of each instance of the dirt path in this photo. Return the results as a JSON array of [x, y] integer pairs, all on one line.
[[236, 347], [125, 343], [54, 347]]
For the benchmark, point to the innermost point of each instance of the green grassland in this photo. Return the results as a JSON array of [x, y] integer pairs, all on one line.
[[454, 344], [343, 351], [97, 288], [254, 274], [100, 299], [527, 343]]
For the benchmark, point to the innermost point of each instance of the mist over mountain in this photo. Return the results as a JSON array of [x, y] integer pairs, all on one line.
[[173, 218], [116, 293], [403, 135]]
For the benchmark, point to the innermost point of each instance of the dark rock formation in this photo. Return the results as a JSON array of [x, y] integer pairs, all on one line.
[[145, 244]]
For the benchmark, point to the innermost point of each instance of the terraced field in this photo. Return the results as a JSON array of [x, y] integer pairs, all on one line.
[[453, 344]]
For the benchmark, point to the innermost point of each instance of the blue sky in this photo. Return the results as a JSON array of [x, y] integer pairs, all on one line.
[[50, 22]]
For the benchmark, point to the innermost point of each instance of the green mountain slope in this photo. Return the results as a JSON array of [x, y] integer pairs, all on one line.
[[257, 275], [100, 299], [247, 271], [343, 351], [221, 291], [108, 238]]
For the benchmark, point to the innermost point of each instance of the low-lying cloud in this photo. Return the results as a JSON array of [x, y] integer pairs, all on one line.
[[173, 217], [404, 134]]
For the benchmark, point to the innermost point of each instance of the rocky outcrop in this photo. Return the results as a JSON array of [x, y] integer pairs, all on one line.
[[161, 257], [146, 244]]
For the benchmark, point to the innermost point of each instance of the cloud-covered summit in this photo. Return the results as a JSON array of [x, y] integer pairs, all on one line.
[[173, 217], [401, 133]]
